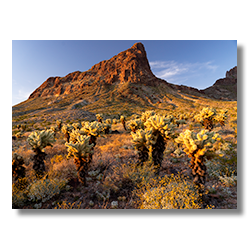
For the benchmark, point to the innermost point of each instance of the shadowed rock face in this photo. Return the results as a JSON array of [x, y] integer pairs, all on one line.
[[128, 66]]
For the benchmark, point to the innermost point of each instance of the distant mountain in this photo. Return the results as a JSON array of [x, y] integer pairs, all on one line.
[[124, 83], [225, 88]]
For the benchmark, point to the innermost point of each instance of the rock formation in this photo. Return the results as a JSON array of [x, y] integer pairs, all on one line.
[[128, 66]]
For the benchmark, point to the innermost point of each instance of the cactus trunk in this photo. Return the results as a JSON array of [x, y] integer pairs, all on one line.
[[38, 162], [157, 152], [208, 124], [82, 168], [198, 170], [142, 154]]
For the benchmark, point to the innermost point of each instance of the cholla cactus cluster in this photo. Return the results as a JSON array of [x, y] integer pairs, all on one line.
[[160, 129], [207, 118], [221, 117], [59, 124], [197, 146], [81, 151], [99, 117], [38, 140], [123, 121], [41, 139], [139, 141], [135, 124], [18, 171], [66, 129], [152, 138], [93, 129]]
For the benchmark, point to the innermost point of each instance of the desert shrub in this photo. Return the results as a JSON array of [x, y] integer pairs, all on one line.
[[68, 205], [139, 175], [18, 170], [224, 166], [44, 189], [174, 192], [19, 193]]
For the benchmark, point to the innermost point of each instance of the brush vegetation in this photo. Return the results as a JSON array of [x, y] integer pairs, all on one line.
[[175, 152]]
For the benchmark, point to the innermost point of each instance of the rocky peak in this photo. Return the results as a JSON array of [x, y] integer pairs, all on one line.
[[232, 73], [130, 66]]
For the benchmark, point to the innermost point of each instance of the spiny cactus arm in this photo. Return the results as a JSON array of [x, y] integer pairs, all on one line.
[[80, 149], [94, 128], [41, 139], [139, 138], [66, 128], [202, 141]]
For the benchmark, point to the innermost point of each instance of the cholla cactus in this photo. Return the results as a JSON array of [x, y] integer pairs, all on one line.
[[106, 127], [59, 124], [93, 129], [146, 115], [23, 127], [81, 151], [75, 133], [39, 140], [115, 121], [54, 129], [66, 129], [135, 124], [221, 117], [123, 121], [206, 117], [76, 125], [18, 171], [160, 129], [139, 141], [108, 121], [197, 146], [19, 134], [99, 117]]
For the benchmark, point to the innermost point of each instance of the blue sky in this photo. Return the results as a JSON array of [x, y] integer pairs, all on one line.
[[195, 63]]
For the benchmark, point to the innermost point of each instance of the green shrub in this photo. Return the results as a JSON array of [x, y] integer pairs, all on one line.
[[44, 189]]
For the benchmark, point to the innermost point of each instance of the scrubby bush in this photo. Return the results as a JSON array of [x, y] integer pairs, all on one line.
[[174, 192], [44, 189]]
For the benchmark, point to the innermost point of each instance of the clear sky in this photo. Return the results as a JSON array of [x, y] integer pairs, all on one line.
[[195, 63]]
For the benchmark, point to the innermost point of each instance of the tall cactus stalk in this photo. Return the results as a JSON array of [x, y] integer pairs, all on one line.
[[160, 129], [59, 124], [139, 141], [38, 141], [66, 129], [123, 121], [197, 147], [80, 151]]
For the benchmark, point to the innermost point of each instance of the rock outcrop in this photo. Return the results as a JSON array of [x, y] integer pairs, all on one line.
[[128, 66]]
